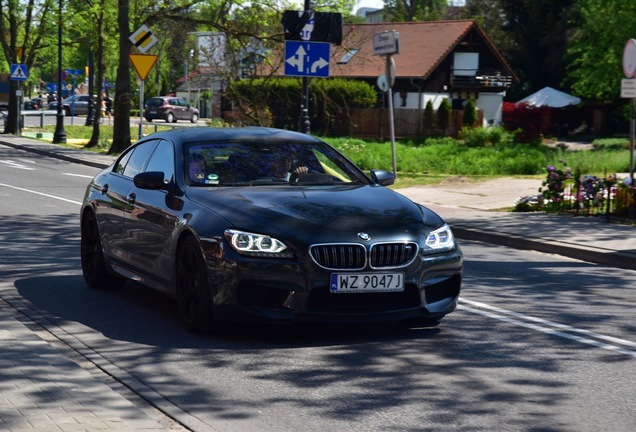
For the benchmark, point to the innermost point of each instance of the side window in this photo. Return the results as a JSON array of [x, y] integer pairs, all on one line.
[[162, 159], [139, 155], [123, 161]]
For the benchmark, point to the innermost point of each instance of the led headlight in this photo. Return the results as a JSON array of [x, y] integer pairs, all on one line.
[[440, 240], [257, 245]]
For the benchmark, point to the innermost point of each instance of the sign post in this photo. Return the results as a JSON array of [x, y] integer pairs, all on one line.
[[628, 89], [143, 63], [311, 27], [386, 44], [19, 73]]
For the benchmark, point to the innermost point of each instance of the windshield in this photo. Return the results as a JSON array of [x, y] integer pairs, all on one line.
[[259, 163]]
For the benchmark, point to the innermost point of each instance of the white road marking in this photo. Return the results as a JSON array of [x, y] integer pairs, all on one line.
[[16, 165], [78, 175], [556, 329], [41, 193]]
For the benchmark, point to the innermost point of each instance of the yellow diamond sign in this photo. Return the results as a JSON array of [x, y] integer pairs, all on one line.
[[143, 38], [143, 63]]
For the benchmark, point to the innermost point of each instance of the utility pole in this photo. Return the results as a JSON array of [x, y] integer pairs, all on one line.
[[305, 125]]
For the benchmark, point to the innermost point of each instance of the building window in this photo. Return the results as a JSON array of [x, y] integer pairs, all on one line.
[[348, 56]]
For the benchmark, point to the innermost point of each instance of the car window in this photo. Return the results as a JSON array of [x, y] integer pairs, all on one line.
[[154, 102], [162, 159], [123, 161], [139, 155], [257, 163]]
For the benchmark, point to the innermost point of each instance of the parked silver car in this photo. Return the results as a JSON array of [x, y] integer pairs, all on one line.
[[74, 105]]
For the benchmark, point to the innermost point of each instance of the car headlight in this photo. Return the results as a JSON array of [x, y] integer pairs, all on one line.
[[256, 245], [440, 240]]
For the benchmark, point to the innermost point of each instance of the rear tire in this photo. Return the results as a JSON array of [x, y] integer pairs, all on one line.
[[193, 291], [94, 267], [170, 118]]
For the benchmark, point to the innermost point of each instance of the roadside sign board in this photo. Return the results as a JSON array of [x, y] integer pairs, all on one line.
[[19, 72], [386, 43], [143, 63], [143, 38], [628, 88], [307, 59], [629, 58]]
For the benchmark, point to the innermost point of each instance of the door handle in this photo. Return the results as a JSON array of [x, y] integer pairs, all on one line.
[[131, 198]]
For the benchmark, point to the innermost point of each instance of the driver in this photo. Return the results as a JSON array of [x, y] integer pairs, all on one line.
[[283, 167]]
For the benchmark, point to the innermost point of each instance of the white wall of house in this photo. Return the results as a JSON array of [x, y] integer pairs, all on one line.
[[418, 100], [490, 103], [492, 106]]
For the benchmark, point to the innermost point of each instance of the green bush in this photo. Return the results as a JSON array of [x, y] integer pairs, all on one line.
[[485, 137], [443, 115], [276, 102], [469, 117]]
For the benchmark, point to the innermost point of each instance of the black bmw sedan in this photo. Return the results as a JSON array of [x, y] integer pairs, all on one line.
[[258, 224]]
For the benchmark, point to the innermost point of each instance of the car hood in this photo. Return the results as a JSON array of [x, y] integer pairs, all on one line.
[[289, 210]]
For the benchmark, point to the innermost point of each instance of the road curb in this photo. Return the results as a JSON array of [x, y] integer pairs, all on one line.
[[594, 255]]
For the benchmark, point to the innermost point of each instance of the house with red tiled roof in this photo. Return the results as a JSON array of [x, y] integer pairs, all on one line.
[[436, 60]]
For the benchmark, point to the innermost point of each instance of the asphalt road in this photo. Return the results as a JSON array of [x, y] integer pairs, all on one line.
[[539, 343]]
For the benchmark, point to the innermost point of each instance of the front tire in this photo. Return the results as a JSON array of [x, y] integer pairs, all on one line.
[[94, 268], [195, 118], [193, 291]]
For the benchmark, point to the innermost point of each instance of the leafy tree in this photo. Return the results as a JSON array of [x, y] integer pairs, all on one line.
[[24, 29], [469, 116], [415, 10], [596, 50], [539, 31], [429, 116], [443, 115]]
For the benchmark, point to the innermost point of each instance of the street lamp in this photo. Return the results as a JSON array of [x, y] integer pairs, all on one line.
[[59, 136]]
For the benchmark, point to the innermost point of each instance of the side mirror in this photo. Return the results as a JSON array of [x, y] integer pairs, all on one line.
[[153, 180], [382, 177]]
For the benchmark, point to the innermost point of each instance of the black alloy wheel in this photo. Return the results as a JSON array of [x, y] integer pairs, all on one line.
[[94, 268], [193, 292]]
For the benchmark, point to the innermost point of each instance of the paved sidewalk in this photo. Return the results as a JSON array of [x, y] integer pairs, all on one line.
[[41, 389]]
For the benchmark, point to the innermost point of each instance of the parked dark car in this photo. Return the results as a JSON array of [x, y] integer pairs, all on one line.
[[170, 109], [74, 105], [32, 104], [258, 224]]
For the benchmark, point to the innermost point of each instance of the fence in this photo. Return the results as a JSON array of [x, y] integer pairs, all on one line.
[[594, 197]]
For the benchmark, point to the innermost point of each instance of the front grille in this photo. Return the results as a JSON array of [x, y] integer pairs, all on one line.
[[351, 256], [339, 256], [388, 255]]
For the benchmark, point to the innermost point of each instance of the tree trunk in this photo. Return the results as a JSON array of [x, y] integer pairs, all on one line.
[[122, 103], [99, 79]]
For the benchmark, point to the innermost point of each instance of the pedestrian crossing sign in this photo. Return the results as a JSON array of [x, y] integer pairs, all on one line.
[[19, 72]]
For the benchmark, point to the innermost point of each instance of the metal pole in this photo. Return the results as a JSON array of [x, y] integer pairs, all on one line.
[[305, 126], [18, 93], [306, 123], [141, 109], [391, 120], [632, 129], [59, 136], [90, 116]]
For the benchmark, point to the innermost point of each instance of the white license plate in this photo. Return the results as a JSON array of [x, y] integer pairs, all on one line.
[[366, 282]]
